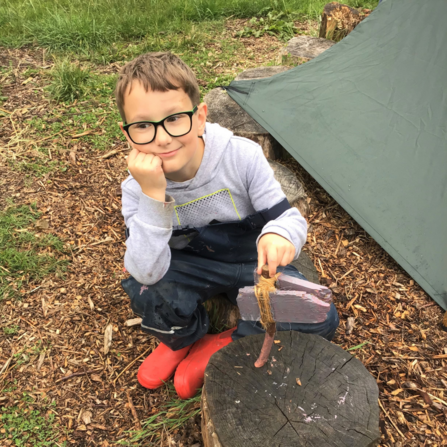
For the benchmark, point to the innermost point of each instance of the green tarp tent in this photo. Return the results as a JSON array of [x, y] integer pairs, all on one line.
[[368, 120]]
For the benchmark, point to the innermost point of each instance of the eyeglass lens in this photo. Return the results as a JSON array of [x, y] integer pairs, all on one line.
[[175, 125]]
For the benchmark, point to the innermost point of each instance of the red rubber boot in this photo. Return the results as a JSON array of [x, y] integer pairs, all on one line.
[[191, 371], [160, 365]]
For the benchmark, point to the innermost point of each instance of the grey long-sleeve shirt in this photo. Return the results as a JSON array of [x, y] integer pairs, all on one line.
[[234, 180]]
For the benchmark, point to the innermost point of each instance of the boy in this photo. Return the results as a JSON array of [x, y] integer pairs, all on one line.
[[202, 211]]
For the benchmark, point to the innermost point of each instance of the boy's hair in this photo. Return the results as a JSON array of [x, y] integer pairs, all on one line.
[[159, 72]]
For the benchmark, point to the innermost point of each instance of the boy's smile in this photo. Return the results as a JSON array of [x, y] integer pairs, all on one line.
[[181, 156]]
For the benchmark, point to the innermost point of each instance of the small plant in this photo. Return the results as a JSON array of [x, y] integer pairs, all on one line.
[[275, 23], [25, 257], [36, 427], [172, 415], [11, 330], [70, 81]]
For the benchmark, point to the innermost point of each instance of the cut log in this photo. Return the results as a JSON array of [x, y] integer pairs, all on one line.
[[338, 20], [310, 393]]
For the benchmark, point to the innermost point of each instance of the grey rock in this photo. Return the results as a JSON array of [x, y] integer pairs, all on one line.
[[307, 47], [226, 112], [290, 185], [260, 72]]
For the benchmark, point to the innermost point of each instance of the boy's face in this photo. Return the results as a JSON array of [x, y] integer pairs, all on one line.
[[181, 156]]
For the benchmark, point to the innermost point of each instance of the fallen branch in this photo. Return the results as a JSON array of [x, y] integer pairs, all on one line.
[[388, 416], [134, 412], [113, 152], [131, 364], [77, 374]]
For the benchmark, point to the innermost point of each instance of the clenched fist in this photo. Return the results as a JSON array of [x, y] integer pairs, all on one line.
[[147, 170]]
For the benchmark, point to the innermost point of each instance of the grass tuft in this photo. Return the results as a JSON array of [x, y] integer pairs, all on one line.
[[172, 415], [31, 426], [70, 81], [24, 257]]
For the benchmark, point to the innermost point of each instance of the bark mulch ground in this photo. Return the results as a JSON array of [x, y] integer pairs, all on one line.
[[57, 354]]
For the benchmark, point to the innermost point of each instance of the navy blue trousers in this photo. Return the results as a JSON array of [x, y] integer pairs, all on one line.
[[172, 308]]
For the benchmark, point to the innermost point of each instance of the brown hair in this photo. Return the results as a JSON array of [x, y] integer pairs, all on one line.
[[159, 72]]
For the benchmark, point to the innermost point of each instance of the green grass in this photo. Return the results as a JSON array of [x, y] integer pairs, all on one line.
[[82, 25], [25, 257], [70, 81], [31, 425], [11, 330], [172, 415]]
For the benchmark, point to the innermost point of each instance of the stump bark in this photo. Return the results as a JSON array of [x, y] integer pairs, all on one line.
[[310, 393], [338, 20]]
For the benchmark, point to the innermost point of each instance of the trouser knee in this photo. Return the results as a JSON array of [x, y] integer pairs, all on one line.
[[169, 312]]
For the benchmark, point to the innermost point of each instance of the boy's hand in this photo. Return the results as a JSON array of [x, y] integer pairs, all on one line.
[[274, 250], [147, 170]]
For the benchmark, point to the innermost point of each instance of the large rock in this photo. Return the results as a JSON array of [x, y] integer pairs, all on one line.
[[306, 47], [260, 72], [291, 187], [224, 111]]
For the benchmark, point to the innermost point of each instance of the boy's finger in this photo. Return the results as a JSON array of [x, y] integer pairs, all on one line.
[[132, 155], [262, 259], [272, 261], [157, 161]]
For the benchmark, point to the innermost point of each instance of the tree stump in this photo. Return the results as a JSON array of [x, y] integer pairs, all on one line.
[[226, 112], [310, 393], [337, 20]]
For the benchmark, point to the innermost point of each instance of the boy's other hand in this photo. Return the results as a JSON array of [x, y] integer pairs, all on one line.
[[147, 170], [274, 250]]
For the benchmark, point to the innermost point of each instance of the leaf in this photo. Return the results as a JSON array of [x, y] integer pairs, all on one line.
[[413, 348], [359, 346]]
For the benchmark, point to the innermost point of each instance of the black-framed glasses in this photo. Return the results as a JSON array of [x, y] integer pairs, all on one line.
[[176, 125]]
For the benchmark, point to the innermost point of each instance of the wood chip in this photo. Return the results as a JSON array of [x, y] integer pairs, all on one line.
[[350, 323], [41, 360], [72, 158], [133, 322], [108, 338], [86, 417], [90, 303]]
